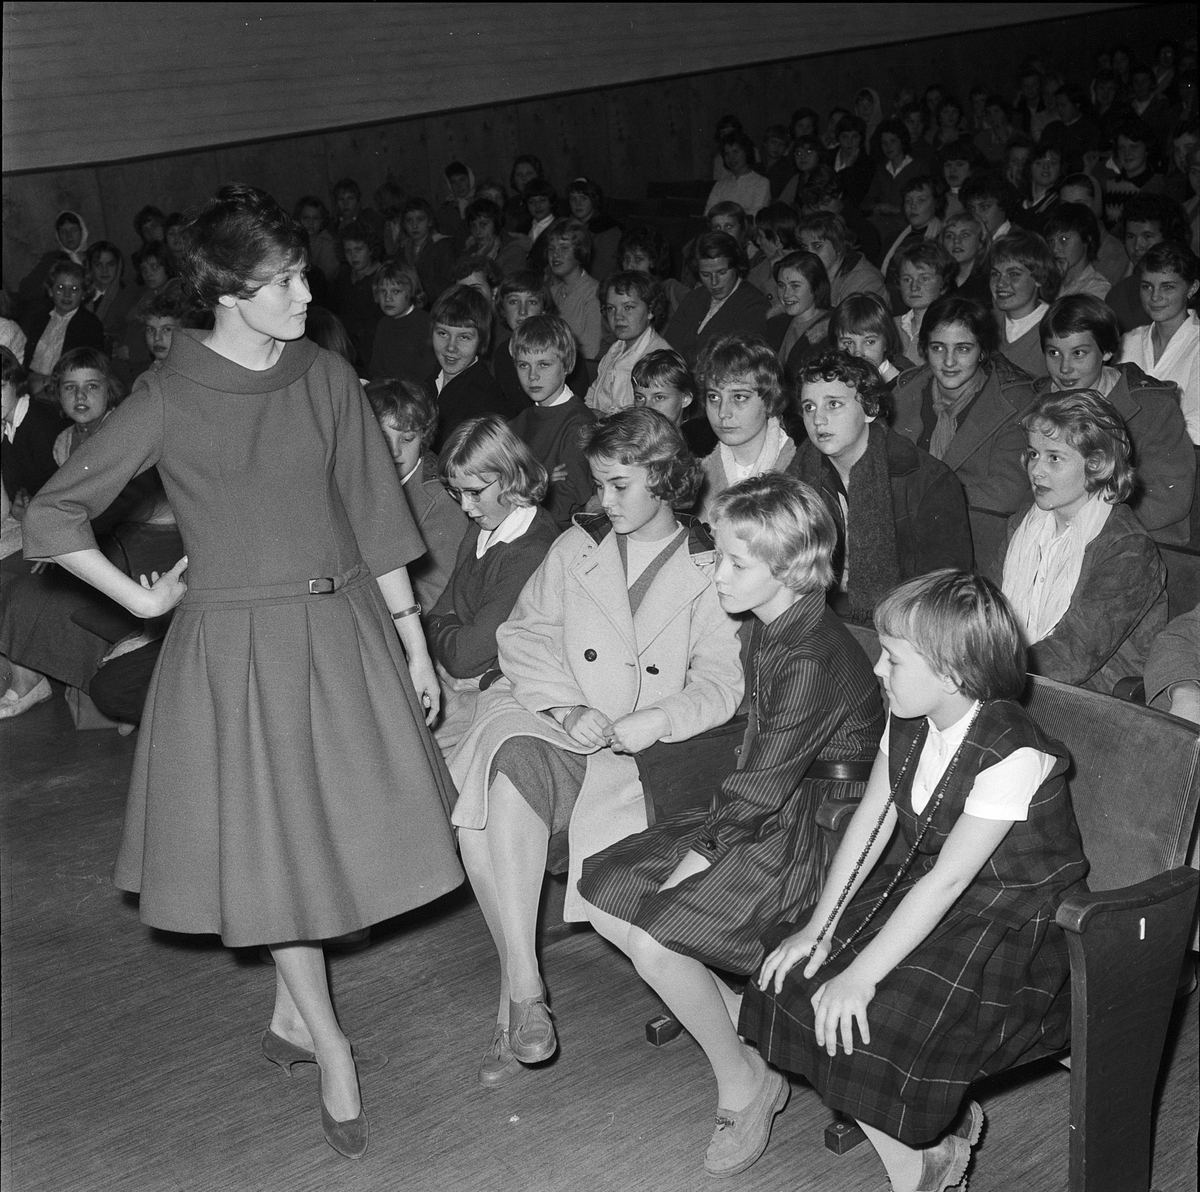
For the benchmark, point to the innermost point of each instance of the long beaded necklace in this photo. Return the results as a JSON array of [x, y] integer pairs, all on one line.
[[939, 795]]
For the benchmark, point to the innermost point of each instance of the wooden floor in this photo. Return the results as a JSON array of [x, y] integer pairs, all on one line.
[[131, 1057]]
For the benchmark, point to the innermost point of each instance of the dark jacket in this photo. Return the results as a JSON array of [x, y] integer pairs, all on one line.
[[1117, 609], [28, 461], [83, 331], [987, 453], [744, 313], [470, 394], [1163, 455], [442, 524]]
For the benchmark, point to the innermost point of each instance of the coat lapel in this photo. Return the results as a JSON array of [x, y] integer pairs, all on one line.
[[990, 412], [673, 589], [601, 580]]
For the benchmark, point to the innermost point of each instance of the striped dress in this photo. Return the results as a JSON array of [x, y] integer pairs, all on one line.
[[813, 695]]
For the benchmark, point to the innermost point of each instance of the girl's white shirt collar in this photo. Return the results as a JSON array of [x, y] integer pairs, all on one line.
[[509, 530]]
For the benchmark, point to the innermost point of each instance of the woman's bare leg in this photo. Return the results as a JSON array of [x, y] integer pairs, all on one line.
[[300, 969], [903, 1163], [693, 996], [506, 862]]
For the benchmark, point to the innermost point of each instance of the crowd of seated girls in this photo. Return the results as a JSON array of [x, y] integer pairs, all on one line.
[[917, 347]]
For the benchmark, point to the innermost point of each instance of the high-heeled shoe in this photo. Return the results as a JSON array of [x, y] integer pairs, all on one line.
[[348, 1138], [279, 1051]]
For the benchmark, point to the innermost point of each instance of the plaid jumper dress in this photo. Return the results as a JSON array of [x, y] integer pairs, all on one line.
[[987, 989]]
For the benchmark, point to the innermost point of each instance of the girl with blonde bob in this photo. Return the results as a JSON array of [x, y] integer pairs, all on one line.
[[499, 485], [1084, 578], [617, 642], [905, 983], [697, 890]]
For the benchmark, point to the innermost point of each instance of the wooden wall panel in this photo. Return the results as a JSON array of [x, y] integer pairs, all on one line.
[[625, 136]]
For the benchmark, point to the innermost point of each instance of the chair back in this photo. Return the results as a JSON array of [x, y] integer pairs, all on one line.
[[1134, 779]]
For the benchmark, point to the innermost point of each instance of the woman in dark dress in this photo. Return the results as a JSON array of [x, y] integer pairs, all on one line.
[[285, 788], [698, 889]]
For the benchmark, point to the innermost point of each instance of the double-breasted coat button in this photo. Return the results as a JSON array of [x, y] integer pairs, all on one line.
[[589, 655]]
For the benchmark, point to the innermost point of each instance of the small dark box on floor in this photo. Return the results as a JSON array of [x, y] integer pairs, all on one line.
[[843, 1136], [662, 1029]]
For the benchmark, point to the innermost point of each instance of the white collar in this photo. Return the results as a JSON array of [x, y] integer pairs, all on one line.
[[18, 416], [509, 530], [895, 172], [407, 477], [952, 736], [1015, 328], [564, 396]]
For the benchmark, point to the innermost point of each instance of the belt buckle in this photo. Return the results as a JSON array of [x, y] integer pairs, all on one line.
[[321, 587]]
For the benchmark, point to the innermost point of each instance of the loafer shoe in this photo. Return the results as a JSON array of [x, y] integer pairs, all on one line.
[[499, 1065], [944, 1166], [970, 1126], [38, 694], [531, 1035], [740, 1138]]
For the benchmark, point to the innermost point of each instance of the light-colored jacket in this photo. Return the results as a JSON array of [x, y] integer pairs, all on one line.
[[572, 640]]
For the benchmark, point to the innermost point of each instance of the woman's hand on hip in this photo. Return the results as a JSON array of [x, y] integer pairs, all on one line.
[[162, 592]]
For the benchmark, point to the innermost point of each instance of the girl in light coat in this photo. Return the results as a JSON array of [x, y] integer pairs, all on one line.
[[617, 641]]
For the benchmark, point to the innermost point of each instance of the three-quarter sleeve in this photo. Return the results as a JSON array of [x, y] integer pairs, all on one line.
[[59, 518], [365, 473]]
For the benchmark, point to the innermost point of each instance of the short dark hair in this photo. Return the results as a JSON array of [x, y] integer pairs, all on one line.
[[897, 129], [12, 372], [949, 310], [813, 269], [485, 209], [1079, 313], [1156, 209], [666, 366], [870, 389], [539, 187], [464, 306], [636, 436], [990, 186], [418, 204], [361, 232], [649, 240], [576, 234], [928, 254], [1075, 217], [829, 227], [346, 185], [527, 281], [147, 215], [930, 182], [1134, 128], [524, 159], [466, 265], [405, 404], [234, 241], [91, 358], [1169, 256], [642, 286], [779, 221], [456, 169], [711, 246], [155, 250], [314, 202], [102, 246]]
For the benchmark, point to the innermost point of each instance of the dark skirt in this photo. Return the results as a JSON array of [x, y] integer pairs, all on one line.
[[720, 915], [973, 999], [549, 779]]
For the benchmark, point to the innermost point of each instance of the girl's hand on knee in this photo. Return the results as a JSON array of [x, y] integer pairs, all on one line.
[[802, 946], [639, 730], [837, 1006], [588, 726]]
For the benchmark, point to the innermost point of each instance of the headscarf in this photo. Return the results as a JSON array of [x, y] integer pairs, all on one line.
[[462, 204], [76, 254]]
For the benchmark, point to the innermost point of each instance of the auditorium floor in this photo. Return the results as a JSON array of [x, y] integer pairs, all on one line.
[[131, 1057]]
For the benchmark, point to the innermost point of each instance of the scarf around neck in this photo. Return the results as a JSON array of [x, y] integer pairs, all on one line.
[[948, 409]]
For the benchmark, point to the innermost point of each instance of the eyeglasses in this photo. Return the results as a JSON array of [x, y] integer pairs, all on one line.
[[461, 494], [64, 289]]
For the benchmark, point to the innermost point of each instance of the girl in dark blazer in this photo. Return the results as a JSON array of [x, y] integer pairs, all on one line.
[[723, 304], [695, 891], [67, 287]]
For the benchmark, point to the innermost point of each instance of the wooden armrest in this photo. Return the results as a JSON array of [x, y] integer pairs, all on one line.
[[833, 814], [1076, 910]]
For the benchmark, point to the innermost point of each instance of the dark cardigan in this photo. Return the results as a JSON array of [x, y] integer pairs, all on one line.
[[470, 394], [744, 313], [552, 434], [28, 461], [83, 331]]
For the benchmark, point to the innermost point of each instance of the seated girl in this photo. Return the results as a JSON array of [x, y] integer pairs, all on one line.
[[461, 331], [722, 304], [1084, 578], [312, 214], [662, 382], [966, 240], [964, 407], [500, 486], [156, 270], [745, 398], [1080, 340], [485, 223], [543, 351], [802, 329], [521, 296], [828, 236], [1040, 185], [1073, 234], [37, 634], [568, 248], [644, 249], [618, 641], [1024, 280], [862, 326], [635, 308], [949, 964], [352, 295], [1169, 347], [585, 201], [898, 511], [30, 427], [922, 203], [699, 888], [401, 348], [924, 272], [52, 331], [775, 232], [429, 252], [162, 317], [741, 184], [408, 418]]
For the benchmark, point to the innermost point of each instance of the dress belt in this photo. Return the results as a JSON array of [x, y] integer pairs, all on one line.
[[296, 590], [840, 771]]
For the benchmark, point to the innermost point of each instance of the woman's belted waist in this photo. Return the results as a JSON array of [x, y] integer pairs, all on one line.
[[297, 590]]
